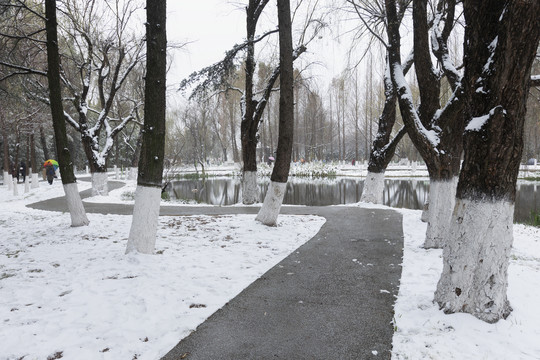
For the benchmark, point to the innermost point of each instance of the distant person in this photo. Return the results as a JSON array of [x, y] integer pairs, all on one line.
[[22, 169], [50, 173], [15, 172]]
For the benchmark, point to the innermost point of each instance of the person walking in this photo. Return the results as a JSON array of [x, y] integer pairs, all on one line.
[[22, 169], [49, 171]]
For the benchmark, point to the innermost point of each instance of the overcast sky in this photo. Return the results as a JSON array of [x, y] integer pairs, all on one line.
[[210, 26], [213, 26]]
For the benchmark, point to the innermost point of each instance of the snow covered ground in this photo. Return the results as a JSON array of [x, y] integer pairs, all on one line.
[[72, 290], [425, 332]]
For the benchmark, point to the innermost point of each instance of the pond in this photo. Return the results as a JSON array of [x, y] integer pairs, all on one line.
[[399, 193]]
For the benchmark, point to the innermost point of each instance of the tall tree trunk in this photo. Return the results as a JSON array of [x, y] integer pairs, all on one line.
[[248, 128], [142, 235], [331, 127], [497, 71], [274, 197], [7, 166], [435, 132], [33, 161], [383, 148], [75, 205], [43, 140]]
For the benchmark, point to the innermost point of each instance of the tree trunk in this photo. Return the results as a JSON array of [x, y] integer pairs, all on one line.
[[248, 129], [44, 143], [142, 235], [383, 148], [436, 133], [7, 166], [75, 205], [496, 83], [34, 162], [274, 197]]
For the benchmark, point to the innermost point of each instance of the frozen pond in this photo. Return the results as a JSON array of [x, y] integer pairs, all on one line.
[[401, 193]]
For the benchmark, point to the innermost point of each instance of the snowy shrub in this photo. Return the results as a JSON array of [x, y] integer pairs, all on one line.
[[128, 196]]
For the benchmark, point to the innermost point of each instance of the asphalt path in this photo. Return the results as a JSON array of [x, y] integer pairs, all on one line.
[[332, 298]]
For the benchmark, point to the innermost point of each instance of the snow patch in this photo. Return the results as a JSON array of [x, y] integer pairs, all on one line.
[[478, 122], [491, 47]]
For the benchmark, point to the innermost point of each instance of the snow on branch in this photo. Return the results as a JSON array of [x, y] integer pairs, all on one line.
[[477, 123], [23, 69], [405, 94], [71, 121], [439, 46]]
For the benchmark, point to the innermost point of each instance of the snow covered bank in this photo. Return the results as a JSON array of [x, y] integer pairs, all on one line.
[[425, 332]]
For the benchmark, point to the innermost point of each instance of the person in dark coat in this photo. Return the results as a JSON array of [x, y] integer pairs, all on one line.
[[49, 171], [22, 169], [15, 172]]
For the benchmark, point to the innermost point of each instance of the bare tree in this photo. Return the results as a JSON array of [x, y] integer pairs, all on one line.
[[101, 57], [278, 185], [76, 209], [142, 235], [496, 82], [435, 131]]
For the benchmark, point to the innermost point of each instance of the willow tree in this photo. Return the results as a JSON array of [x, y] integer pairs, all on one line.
[[501, 40], [278, 181], [142, 235], [75, 205]]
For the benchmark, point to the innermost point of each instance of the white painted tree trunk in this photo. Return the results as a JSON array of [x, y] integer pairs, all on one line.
[[15, 187], [481, 234], [142, 235], [75, 205], [7, 180], [132, 174], [269, 211], [99, 184], [26, 184], [373, 188], [442, 197], [116, 172], [250, 190], [425, 211], [35, 180]]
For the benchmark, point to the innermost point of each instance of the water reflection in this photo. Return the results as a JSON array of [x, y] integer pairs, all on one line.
[[399, 193]]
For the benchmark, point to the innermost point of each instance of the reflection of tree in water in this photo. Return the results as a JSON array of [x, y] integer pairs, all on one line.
[[405, 193], [527, 201], [401, 193]]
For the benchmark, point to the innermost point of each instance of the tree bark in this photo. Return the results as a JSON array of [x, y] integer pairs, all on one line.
[[76, 209], [274, 198], [43, 140], [436, 133], [142, 235], [496, 82], [33, 161]]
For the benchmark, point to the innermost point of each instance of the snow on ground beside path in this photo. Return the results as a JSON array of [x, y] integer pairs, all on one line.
[[73, 291], [425, 332]]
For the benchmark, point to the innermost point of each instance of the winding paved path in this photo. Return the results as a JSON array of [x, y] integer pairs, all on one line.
[[332, 298]]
